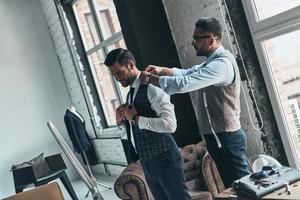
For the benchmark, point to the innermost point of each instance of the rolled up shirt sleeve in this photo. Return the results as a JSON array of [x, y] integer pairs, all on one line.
[[164, 109]]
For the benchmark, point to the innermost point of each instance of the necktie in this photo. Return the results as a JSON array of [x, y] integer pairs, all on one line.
[[131, 154], [131, 93]]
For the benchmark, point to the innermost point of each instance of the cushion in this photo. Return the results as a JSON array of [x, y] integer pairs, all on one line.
[[38, 164], [192, 161]]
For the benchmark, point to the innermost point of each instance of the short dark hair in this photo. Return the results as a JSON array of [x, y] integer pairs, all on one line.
[[121, 56], [211, 25]]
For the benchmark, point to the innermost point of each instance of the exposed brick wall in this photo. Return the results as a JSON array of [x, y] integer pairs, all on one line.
[[108, 21], [107, 151], [67, 64], [182, 16]]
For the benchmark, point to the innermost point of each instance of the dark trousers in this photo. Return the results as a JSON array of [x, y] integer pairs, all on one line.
[[231, 159], [131, 155], [165, 177]]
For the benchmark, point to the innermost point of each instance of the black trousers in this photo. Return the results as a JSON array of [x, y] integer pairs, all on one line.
[[131, 155], [165, 177]]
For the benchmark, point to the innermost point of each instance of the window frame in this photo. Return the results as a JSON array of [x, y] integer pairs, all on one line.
[[103, 45], [285, 22]]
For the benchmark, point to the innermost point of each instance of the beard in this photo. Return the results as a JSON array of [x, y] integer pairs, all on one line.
[[127, 82], [200, 52]]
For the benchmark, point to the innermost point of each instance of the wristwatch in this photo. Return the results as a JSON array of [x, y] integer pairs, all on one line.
[[147, 78]]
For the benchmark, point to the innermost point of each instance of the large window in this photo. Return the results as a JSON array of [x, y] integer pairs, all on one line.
[[100, 31], [275, 28], [266, 9]]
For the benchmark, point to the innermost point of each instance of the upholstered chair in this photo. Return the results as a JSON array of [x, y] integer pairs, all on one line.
[[131, 184], [213, 179]]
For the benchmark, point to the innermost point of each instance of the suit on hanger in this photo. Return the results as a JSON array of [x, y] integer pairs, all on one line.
[[79, 136]]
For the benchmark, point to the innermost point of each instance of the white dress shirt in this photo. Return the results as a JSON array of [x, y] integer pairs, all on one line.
[[164, 109]]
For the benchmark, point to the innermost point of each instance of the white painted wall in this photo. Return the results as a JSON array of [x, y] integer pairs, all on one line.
[[32, 88]]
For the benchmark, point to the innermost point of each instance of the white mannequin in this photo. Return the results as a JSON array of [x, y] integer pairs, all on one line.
[[73, 110]]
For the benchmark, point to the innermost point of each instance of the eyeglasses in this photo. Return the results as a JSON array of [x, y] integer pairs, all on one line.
[[197, 38]]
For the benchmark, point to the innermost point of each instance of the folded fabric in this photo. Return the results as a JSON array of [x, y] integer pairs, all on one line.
[[250, 187]]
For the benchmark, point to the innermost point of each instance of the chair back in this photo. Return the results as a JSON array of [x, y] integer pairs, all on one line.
[[211, 175], [49, 191], [192, 156]]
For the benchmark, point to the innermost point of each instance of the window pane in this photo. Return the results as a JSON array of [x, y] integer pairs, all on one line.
[[94, 30], [120, 44], [268, 8], [86, 24], [108, 18], [284, 64], [105, 86]]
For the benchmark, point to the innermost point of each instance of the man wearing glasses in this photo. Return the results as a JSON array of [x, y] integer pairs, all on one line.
[[218, 82]]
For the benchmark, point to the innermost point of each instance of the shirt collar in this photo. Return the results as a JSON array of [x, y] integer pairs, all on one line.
[[136, 83], [212, 56]]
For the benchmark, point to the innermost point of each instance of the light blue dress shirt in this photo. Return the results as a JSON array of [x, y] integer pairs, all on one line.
[[214, 71]]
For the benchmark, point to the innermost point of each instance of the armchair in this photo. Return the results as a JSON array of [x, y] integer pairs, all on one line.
[[213, 179], [131, 184]]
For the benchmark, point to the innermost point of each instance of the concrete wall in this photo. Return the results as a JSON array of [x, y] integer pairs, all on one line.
[[270, 137], [32, 87], [182, 16]]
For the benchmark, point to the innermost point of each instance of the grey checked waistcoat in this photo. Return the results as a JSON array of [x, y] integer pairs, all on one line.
[[149, 144]]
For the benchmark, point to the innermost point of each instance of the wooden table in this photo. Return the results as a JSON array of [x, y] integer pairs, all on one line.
[[282, 194], [279, 194]]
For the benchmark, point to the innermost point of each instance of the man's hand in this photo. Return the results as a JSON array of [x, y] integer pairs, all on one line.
[[147, 78], [159, 71], [144, 77], [120, 114], [130, 112], [156, 70]]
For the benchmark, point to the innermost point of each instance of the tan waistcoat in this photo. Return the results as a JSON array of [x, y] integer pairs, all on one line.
[[223, 103]]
